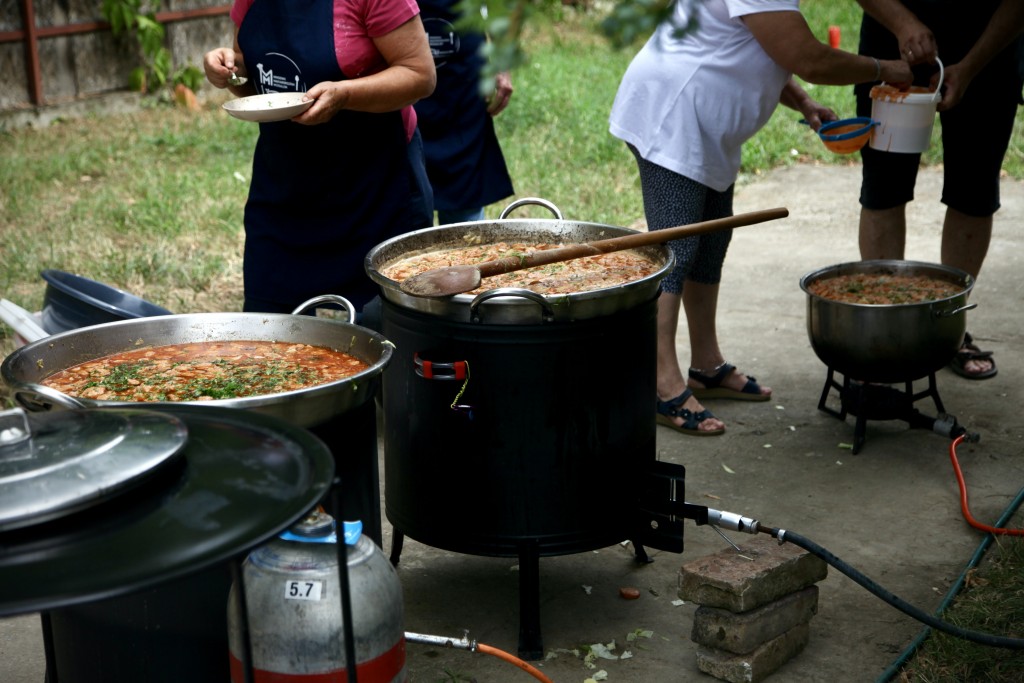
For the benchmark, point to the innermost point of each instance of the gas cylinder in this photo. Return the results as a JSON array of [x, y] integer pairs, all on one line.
[[293, 599]]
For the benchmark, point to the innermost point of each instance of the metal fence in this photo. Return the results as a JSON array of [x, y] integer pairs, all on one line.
[[53, 52]]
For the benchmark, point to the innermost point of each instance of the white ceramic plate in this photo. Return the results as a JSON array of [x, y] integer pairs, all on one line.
[[274, 106]]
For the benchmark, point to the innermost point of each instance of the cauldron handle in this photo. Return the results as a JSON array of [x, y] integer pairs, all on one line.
[[958, 309], [325, 298], [528, 201], [538, 299], [39, 397]]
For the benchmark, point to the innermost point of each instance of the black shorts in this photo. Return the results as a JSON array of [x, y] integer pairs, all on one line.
[[975, 133]]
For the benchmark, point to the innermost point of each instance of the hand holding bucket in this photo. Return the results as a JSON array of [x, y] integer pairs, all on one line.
[[905, 119]]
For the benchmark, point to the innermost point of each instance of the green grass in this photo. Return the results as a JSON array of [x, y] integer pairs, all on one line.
[[992, 601], [148, 201], [152, 201]]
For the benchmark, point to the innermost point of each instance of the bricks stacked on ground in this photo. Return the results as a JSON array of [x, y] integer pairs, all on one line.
[[755, 607]]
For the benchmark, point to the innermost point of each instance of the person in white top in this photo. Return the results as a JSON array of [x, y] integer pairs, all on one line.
[[686, 104]]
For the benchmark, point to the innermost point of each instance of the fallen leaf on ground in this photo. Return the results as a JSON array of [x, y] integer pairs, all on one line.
[[639, 633]]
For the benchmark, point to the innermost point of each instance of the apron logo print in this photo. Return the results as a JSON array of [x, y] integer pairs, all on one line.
[[443, 39], [270, 81]]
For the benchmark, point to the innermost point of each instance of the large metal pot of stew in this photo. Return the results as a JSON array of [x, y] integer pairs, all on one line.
[[25, 370], [516, 309], [515, 417], [887, 321]]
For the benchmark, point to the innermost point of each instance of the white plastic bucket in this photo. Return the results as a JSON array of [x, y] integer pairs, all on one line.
[[905, 120]]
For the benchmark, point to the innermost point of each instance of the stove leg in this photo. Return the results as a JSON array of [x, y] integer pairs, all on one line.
[[640, 553], [531, 646], [242, 615], [830, 383], [397, 540], [51, 675], [935, 393], [858, 433]]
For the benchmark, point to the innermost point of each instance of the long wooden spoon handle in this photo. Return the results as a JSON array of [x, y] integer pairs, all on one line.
[[642, 239]]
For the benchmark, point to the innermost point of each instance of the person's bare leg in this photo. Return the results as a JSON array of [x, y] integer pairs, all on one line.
[[700, 301], [965, 241], [883, 233], [670, 376]]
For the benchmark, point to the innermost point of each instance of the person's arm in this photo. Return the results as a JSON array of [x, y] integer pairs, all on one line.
[[1006, 23], [788, 40], [220, 62], [795, 97], [409, 77], [917, 43]]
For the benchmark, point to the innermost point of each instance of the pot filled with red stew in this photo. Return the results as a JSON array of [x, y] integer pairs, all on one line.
[[887, 321], [580, 289], [302, 368], [520, 414]]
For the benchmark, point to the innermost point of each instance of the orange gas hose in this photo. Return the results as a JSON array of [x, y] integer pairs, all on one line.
[[963, 497], [501, 654]]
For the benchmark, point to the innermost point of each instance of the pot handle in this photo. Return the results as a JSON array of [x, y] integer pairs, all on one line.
[[958, 309], [328, 298], [525, 201], [538, 299], [37, 398]]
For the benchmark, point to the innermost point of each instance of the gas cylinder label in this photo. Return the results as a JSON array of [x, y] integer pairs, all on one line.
[[302, 590]]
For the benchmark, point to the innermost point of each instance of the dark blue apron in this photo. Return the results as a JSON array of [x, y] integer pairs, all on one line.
[[321, 196], [464, 160]]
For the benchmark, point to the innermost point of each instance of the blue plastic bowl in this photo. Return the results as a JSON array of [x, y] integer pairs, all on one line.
[[72, 301], [847, 135]]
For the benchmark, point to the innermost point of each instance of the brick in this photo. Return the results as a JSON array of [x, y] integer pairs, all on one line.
[[744, 632], [761, 572], [757, 665]]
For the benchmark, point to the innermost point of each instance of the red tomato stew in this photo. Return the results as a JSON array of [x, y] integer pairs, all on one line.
[[566, 277], [205, 371], [880, 289]]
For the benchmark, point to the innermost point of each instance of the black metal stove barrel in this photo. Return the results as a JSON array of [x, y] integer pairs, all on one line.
[[500, 434]]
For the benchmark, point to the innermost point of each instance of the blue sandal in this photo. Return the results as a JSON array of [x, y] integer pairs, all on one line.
[[667, 410], [713, 388]]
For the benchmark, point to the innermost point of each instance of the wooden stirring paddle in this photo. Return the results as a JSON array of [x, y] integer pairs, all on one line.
[[461, 279]]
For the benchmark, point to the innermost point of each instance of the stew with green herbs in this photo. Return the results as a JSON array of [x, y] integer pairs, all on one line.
[[205, 371]]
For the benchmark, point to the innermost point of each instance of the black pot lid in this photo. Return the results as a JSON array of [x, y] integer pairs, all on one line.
[[241, 479], [57, 463]]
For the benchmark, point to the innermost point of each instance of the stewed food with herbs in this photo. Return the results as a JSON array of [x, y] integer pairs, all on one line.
[[205, 371], [566, 277], [881, 288]]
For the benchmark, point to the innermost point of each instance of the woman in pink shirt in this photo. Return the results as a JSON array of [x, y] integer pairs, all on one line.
[[332, 183]]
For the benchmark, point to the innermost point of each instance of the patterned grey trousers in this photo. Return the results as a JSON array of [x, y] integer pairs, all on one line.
[[671, 199]]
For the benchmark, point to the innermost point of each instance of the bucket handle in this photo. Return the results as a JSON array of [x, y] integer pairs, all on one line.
[[942, 75]]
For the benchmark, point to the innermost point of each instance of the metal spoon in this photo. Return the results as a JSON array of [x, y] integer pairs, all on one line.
[[453, 280], [235, 79]]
